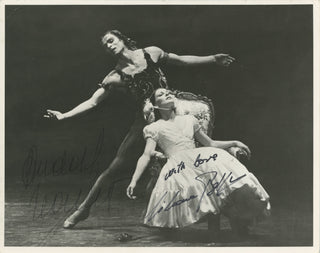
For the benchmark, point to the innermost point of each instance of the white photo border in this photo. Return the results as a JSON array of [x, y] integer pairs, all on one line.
[[316, 123]]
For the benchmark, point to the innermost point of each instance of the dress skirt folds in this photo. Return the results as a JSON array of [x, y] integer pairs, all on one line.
[[197, 181]]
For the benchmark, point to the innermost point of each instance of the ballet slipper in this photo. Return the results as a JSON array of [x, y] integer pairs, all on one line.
[[77, 216]]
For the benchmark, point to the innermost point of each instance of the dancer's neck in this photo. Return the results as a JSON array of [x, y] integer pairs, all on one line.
[[167, 114], [126, 57]]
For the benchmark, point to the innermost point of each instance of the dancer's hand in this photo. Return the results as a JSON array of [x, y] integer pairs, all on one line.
[[158, 154], [244, 148], [223, 59], [54, 115], [148, 107], [130, 189], [148, 111]]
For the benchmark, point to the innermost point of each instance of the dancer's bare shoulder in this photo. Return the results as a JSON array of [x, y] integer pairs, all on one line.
[[155, 52], [112, 80]]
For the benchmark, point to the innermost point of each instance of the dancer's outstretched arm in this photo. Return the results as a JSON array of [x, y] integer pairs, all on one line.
[[141, 166], [171, 58], [219, 59], [206, 141], [99, 95]]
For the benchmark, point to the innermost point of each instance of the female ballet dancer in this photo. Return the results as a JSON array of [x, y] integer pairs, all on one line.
[[137, 71], [196, 182]]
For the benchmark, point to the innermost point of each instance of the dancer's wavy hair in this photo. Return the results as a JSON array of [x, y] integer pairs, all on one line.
[[157, 114], [129, 43]]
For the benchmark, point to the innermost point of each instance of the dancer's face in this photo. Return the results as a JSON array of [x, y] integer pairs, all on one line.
[[164, 98], [113, 44]]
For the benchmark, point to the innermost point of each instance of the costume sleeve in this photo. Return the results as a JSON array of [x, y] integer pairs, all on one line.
[[105, 86], [163, 60], [151, 131], [108, 82]]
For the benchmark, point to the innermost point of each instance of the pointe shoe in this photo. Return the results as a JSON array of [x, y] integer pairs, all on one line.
[[78, 215]]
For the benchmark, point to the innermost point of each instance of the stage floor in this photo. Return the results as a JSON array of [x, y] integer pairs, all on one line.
[[33, 217]]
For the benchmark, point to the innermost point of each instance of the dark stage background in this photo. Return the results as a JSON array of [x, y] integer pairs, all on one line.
[[54, 60]]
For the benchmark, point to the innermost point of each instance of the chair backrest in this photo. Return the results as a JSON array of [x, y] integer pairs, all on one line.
[[199, 106]]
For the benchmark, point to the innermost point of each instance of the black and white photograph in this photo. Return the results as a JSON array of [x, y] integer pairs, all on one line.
[[160, 125]]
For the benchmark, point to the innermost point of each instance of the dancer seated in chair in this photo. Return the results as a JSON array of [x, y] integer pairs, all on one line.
[[196, 182]]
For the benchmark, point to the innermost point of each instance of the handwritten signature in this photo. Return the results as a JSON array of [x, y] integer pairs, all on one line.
[[33, 167], [197, 163], [209, 187], [47, 204], [44, 203], [200, 161], [217, 187], [172, 203], [181, 166]]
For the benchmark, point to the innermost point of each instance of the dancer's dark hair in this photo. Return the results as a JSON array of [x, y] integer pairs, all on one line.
[[129, 43]]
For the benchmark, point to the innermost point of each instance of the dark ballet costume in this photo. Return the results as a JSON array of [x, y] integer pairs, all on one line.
[[143, 84]]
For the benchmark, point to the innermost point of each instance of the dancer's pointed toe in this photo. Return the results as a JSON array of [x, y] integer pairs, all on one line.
[[68, 225], [76, 217]]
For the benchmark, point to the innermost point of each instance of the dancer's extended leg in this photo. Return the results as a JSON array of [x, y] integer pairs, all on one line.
[[130, 150]]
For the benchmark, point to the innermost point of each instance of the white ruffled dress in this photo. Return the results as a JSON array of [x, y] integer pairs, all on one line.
[[195, 181]]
